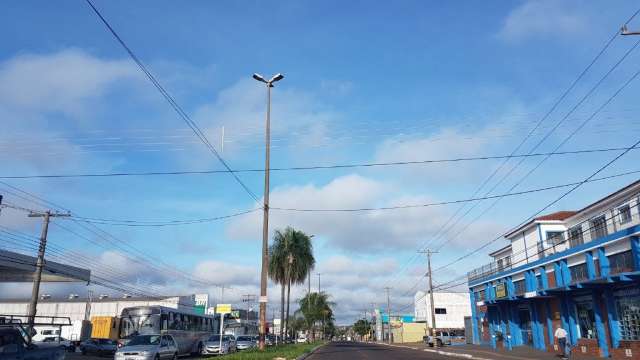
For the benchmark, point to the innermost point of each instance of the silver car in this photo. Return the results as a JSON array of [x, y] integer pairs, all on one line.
[[149, 347], [212, 346], [244, 342]]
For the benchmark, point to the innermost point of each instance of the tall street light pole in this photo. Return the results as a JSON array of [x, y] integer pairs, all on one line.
[[265, 222]]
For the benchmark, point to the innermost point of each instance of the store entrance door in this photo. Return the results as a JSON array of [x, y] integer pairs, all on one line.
[[525, 326]]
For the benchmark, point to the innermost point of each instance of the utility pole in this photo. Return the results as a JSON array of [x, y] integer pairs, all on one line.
[[373, 311], [309, 292], [625, 31], [249, 299], [35, 292], [388, 314], [265, 219], [433, 312], [318, 282]]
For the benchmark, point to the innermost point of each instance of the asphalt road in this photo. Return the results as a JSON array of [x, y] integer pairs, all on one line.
[[367, 351]]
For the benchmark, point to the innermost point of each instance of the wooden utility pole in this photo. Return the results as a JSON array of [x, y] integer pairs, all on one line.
[[35, 292], [433, 312]]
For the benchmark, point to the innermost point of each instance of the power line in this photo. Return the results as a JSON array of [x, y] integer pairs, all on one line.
[[314, 167], [454, 201], [176, 107]]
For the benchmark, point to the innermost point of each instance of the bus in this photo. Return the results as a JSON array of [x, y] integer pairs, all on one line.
[[189, 329]]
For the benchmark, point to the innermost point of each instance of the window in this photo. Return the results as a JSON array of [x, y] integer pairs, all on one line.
[[480, 295], [578, 273], [539, 281], [598, 227], [575, 236], [555, 237], [625, 214], [621, 262], [586, 320], [629, 317], [441, 311], [519, 287]]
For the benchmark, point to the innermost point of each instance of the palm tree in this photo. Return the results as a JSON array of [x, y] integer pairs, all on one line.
[[290, 262], [316, 307]]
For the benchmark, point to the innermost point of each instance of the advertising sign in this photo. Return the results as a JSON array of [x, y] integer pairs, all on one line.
[[501, 291], [223, 308]]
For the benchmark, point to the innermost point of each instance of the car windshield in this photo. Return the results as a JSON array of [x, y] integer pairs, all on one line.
[[145, 340], [215, 338], [244, 338], [106, 342]]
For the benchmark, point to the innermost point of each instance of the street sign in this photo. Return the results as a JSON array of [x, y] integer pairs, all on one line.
[[223, 308]]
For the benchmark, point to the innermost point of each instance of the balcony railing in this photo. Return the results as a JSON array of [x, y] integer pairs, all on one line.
[[586, 231]]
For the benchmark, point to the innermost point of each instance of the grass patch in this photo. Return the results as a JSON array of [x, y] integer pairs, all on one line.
[[289, 351]]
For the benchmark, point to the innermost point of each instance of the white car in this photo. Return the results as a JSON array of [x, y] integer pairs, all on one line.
[[212, 346], [59, 341], [149, 347], [301, 339]]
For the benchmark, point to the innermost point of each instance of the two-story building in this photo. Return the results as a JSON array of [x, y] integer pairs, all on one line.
[[579, 270]]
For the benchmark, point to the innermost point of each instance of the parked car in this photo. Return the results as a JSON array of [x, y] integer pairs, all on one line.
[[441, 338], [98, 346], [212, 345], [13, 346], [157, 347], [244, 342], [60, 341], [301, 339]]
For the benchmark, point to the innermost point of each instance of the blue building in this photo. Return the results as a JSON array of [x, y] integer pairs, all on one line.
[[579, 270]]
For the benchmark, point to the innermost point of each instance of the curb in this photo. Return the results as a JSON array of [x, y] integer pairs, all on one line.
[[310, 352], [441, 352]]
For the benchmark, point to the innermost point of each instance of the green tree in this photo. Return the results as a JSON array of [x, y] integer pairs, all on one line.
[[291, 260], [316, 309], [362, 327]]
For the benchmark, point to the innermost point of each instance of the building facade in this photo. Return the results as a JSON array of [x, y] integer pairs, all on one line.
[[450, 309], [579, 270]]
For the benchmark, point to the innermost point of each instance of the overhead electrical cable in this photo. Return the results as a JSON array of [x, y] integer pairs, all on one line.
[[314, 167], [176, 107]]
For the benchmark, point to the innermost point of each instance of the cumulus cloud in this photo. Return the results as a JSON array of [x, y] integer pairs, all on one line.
[[369, 231], [241, 108], [60, 82], [537, 18]]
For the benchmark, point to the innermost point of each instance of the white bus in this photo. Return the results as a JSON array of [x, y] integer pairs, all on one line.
[[189, 330]]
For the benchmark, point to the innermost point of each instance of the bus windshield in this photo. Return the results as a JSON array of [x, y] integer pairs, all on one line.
[[132, 325]]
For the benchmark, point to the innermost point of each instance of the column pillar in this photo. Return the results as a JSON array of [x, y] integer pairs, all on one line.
[[474, 318], [503, 326], [516, 331], [603, 260], [612, 317], [543, 278], [591, 266], [557, 272], [549, 319], [602, 335], [635, 251], [492, 333]]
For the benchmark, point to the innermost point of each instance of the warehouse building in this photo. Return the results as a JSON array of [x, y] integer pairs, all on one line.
[[450, 309], [579, 270]]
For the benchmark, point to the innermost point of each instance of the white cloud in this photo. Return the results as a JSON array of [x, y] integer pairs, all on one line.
[[241, 110], [59, 82], [537, 18], [371, 231]]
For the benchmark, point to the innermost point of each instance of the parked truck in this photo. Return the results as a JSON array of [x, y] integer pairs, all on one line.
[[104, 327]]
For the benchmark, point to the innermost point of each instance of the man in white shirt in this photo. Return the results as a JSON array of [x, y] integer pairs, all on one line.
[[561, 335]]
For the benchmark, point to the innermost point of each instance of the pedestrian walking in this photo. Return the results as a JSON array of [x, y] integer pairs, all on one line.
[[561, 335]]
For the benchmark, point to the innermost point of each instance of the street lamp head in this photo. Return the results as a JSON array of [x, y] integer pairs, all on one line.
[[259, 78], [276, 77]]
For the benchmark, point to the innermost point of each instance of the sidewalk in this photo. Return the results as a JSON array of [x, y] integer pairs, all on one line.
[[480, 352]]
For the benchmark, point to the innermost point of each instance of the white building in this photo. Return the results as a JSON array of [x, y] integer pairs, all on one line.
[[450, 309], [79, 309]]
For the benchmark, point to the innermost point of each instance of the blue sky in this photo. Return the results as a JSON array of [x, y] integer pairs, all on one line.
[[364, 82]]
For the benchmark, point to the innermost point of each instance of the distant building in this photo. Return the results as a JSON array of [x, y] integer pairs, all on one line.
[[450, 309], [579, 270], [78, 309]]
